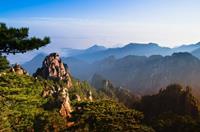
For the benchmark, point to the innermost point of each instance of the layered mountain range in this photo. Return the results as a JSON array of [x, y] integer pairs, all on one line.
[[142, 68], [149, 74]]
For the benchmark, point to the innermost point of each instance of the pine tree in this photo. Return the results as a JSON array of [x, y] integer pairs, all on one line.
[[16, 40]]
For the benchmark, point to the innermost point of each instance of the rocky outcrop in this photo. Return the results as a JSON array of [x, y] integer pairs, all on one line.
[[77, 98], [61, 97], [18, 70], [53, 68], [65, 109], [90, 96], [49, 91]]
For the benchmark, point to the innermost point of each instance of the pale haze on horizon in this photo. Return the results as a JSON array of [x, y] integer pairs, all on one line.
[[83, 23]]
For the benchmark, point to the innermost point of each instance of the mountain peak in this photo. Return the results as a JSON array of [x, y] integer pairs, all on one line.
[[182, 54], [96, 48], [154, 44], [54, 68], [141, 44]]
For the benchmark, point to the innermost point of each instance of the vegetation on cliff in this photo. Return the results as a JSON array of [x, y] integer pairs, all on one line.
[[24, 109], [4, 64], [106, 115], [21, 105], [172, 109]]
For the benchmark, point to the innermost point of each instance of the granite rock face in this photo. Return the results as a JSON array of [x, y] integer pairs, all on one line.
[[65, 109], [53, 68], [61, 96]]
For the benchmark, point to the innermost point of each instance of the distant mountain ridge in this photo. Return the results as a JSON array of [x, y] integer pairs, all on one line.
[[129, 49], [143, 74], [142, 68], [139, 49], [34, 63], [98, 53], [149, 74], [187, 48], [95, 48]]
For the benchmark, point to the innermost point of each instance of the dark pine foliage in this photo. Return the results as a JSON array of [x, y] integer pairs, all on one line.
[[21, 105], [4, 64], [106, 116], [16, 40], [24, 109], [171, 110]]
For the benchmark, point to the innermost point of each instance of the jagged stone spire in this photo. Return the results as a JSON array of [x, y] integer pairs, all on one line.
[[65, 109], [90, 96], [53, 68]]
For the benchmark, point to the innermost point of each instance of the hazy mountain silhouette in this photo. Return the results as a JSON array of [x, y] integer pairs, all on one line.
[[187, 48], [142, 74], [80, 69], [129, 49], [95, 48], [76, 52], [34, 63], [149, 74], [81, 60], [196, 52]]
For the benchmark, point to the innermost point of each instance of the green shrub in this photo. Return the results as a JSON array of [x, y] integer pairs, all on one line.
[[4, 64], [106, 115]]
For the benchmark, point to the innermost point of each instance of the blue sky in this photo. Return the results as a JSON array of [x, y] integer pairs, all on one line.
[[82, 23]]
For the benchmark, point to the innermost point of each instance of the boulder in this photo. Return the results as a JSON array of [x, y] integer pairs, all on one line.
[[18, 70]]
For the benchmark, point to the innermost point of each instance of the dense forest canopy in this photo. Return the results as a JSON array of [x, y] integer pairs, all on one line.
[[173, 109]]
